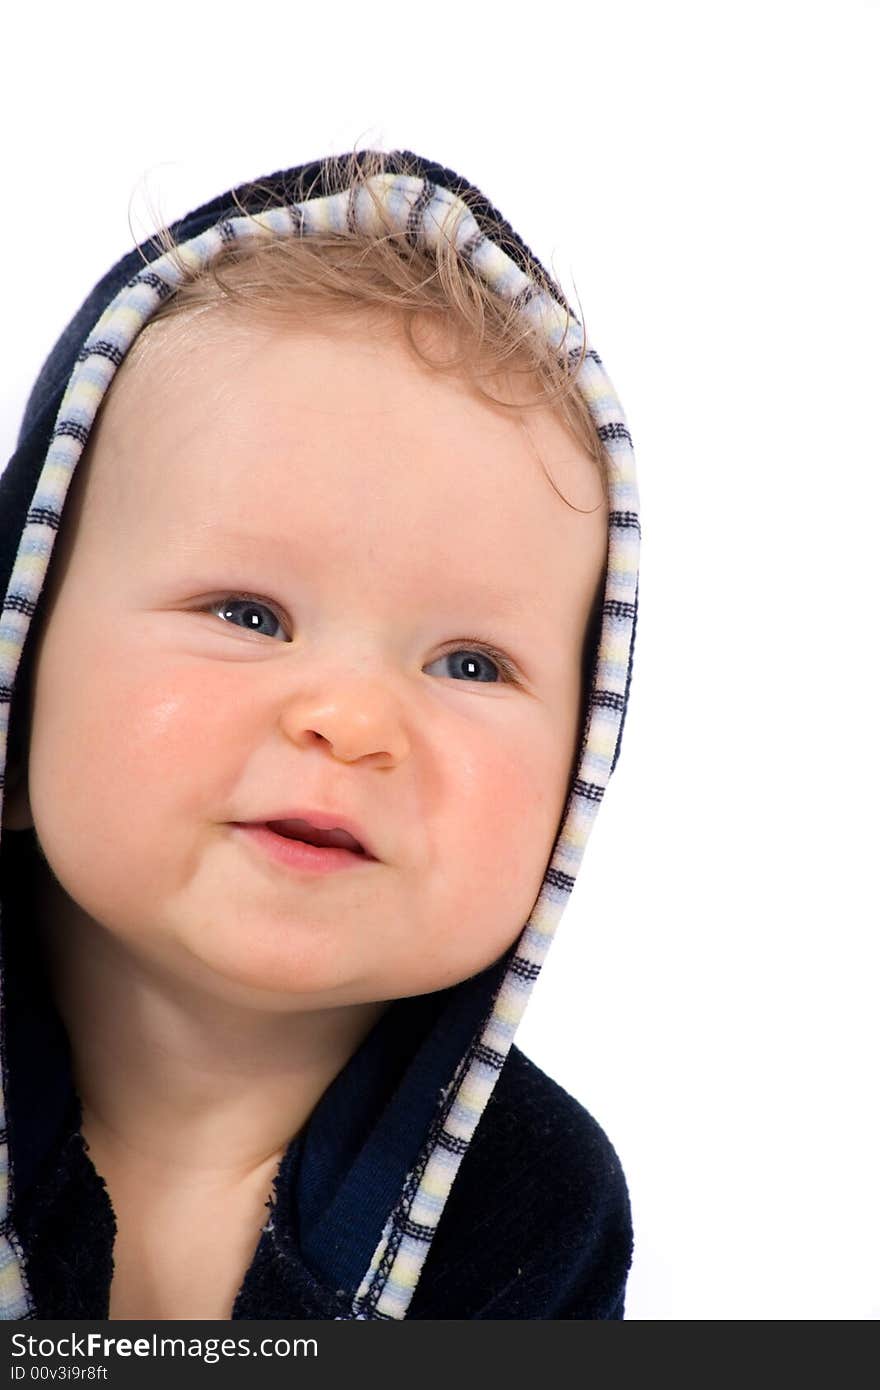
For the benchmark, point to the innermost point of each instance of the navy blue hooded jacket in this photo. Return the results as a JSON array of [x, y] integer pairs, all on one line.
[[442, 1174]]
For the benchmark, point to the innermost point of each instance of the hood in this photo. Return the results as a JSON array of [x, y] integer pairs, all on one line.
[[392, 1130]]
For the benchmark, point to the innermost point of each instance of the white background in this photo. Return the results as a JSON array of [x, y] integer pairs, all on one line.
[[705, 175]]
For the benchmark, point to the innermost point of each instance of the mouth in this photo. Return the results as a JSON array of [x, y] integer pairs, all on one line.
[[303, 832], [303, 847]]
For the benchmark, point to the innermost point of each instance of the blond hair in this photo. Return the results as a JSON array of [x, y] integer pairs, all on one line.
[[386, 276]]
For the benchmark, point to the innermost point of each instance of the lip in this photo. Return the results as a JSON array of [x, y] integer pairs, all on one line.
[[321, 820], [296, 854]]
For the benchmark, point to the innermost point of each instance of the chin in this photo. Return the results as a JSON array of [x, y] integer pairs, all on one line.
[[272, 980]]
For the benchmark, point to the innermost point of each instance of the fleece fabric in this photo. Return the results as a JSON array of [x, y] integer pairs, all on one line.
[[442, 1173]]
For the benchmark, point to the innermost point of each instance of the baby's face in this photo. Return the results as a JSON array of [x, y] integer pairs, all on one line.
[[384, 524]]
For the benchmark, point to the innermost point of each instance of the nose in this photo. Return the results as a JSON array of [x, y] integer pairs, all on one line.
[[356, 719]]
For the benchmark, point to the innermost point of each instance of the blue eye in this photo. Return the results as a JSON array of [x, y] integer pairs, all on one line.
[[469, 662], [250, 610]]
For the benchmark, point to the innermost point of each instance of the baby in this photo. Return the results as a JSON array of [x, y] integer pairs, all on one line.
[[304, 704]]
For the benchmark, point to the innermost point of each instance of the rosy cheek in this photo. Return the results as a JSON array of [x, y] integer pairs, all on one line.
[[178, 725], [505, 806], [524, 835], [152, 736]]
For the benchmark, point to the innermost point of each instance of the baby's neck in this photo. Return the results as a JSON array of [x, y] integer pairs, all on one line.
[[180, 1250]]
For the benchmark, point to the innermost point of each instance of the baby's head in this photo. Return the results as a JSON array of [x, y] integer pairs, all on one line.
[[302, 567]]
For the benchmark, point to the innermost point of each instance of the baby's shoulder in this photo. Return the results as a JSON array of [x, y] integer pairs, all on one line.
[[531, 1119], [538, 1221]]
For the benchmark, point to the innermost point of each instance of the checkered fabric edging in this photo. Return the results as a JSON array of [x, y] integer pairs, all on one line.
[[421, 209]]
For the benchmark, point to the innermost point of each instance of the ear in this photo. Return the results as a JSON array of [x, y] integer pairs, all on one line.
[[16, 800]]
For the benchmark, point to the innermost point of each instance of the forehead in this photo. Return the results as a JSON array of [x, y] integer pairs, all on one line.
[[340, 447]]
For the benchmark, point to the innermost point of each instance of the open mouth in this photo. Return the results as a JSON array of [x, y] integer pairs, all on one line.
[[286, 848], [303, 833]]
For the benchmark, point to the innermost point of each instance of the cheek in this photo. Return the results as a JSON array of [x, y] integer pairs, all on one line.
[[503, 803], [510, 799], [126, 776], [121, 743]]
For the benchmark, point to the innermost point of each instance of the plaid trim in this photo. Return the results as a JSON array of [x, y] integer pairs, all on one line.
[[15, 1302], [420, 209]]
